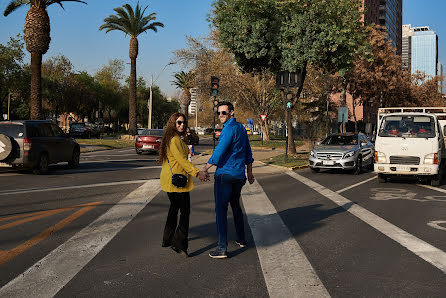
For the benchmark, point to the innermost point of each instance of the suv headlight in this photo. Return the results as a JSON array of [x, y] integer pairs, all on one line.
[[431, 159], [380, 157], [138, 139], [349, 154], [312, 154]]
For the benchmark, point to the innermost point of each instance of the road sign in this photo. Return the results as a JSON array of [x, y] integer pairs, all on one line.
[[263, 117]]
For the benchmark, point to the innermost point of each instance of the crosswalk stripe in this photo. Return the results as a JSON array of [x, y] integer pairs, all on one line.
[[286, 270], [427, 252], [50, 274]]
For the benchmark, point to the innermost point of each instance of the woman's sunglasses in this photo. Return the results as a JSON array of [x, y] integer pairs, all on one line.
[[224, 113], [181, 122]]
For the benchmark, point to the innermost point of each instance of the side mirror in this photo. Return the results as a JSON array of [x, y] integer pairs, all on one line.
[[318, 143]]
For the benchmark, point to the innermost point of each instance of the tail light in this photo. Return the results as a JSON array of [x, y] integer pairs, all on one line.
[[27, 142]]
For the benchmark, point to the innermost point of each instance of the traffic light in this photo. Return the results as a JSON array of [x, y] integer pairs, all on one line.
[[215, 83]]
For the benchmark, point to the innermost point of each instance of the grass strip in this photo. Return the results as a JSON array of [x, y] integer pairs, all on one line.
[[300, 159]]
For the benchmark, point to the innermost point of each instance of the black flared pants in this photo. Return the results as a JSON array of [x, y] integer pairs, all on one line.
[[176, 234]]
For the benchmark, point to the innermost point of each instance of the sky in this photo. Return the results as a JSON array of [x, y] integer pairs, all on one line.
[[75, 33]]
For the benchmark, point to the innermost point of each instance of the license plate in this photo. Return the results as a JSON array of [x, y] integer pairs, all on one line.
[[403, 169], [328, 162], [147, 146]]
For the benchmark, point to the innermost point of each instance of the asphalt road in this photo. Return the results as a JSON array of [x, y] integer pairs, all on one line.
[[96, 231]]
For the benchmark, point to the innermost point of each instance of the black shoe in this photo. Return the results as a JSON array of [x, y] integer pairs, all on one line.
[[180, 251], [241, 243], [218, 254]]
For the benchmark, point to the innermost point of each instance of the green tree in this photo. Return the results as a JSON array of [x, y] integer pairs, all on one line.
[[132, 22], [11, 70], [290, 35], [37, 39], [185, 81]]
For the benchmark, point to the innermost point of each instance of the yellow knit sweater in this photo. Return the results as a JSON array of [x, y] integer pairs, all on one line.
[[177, 152]]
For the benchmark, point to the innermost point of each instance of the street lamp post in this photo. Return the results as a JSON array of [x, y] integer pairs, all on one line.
[[149, 102]]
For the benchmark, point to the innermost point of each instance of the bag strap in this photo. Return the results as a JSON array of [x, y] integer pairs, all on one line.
[[169, 165]]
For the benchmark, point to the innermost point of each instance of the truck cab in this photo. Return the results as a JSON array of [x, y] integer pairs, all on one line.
[[409, 143]]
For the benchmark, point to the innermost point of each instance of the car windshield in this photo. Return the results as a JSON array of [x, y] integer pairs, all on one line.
[[152, 132], [12, 130], [341, 140], [408, 126]]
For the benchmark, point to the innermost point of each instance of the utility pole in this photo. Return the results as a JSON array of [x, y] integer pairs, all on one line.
[[9, 103], [149, 125]]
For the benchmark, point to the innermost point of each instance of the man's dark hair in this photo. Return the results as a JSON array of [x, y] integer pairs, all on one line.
[[226, 103]]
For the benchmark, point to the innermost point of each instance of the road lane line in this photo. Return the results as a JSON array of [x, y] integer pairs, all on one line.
[[286, 269], [22, 191], [357, 184], [433, 188], [45, 234], [50, 274], [424, 250]]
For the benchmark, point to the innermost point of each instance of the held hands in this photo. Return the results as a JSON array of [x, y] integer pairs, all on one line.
[[251, 178], [203, 176]]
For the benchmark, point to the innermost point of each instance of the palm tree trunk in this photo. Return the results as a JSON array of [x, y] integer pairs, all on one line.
[[132, 97], [36, 86]]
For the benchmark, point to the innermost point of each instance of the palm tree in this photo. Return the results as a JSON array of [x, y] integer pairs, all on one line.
[[133, 23], [37, 39], [184, 81]]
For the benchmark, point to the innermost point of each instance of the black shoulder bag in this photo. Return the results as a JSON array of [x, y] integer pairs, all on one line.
[[178, 180]]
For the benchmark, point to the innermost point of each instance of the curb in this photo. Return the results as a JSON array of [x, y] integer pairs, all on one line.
[[284, 168]]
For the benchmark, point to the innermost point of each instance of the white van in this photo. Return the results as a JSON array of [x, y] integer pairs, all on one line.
[[409, 141]]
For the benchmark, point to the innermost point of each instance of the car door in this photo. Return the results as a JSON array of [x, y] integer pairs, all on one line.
[[61, 145], [366, 149]]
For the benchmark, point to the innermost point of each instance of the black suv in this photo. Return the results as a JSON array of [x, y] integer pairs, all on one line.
[[35, 144], [84, 130]]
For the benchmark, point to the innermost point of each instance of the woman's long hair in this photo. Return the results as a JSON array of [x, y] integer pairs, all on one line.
[[169, 132]]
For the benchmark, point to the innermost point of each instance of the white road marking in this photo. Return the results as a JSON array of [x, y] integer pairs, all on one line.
[[30, 190], [436, 224], [433, 188], [419, 247], [286, 270], [84, 161], [112, 169], [53, 272], [357, 184]]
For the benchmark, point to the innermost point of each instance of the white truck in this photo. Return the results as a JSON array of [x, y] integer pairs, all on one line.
[[410, 141]]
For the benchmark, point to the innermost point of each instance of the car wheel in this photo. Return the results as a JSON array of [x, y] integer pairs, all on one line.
[[358, 167], [138, 152], [382, 178], [74, 162], [315, 170], [371, 166], [41, 168]]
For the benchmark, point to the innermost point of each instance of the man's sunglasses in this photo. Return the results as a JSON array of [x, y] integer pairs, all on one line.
[[181, 122], [224, 113]]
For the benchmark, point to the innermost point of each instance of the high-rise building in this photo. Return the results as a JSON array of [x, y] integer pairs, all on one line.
[[389, 14], [406, 51], [424, 51]]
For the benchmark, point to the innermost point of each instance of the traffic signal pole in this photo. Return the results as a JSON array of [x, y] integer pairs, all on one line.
[[215, 83]]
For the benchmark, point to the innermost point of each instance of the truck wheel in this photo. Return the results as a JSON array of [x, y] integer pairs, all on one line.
[[371, 166], [435, 181], [74, 162], [382, 178], [41, 168]]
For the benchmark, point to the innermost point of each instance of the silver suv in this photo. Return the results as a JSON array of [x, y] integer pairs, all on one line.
[[342, 151], [35, 144]]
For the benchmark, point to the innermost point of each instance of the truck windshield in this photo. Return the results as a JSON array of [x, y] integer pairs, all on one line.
[[408, 126]]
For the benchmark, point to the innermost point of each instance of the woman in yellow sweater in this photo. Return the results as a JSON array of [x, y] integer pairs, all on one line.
[[173, 155]]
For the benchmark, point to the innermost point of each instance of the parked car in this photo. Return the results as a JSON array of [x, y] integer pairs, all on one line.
[[149, 140], [84, 130], [200, 131], [217, 133], [342, 151], [192, 137], [36, 144], [209, 130]]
